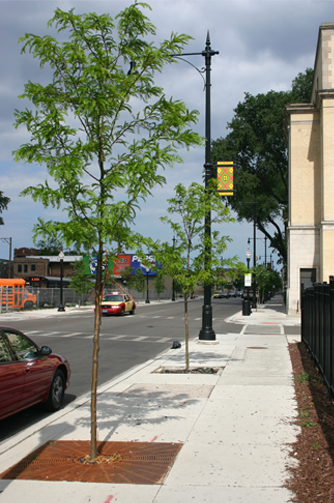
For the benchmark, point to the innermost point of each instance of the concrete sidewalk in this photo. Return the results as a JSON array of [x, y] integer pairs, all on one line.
[[235, 426]]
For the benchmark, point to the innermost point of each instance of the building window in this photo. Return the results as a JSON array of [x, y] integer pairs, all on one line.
[[19, 268], [33, 267], [25, 268]]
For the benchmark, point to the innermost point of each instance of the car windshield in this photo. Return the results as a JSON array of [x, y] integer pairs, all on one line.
[[113, 298], [24, 348]]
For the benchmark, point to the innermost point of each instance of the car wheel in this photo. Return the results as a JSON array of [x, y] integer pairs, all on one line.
[[122, 311], [28, 305], [56, 392], [133, 310]]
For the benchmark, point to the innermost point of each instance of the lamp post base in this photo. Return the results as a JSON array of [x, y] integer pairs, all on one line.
[[207, 333], [147, 301], [61, 308]]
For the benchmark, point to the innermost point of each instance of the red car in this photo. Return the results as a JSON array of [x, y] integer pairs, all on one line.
[[29, 374], [118, 303]]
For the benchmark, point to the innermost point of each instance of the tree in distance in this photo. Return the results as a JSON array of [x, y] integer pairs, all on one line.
[[81, 282], [103, 133], [127, 276], [159, 283], [4, 201], [195, 257], [266, 280], [138, 281], [257, 143]]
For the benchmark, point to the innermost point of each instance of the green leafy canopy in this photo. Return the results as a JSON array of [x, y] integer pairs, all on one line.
[[195, 255], [257, 144], [86, 127]]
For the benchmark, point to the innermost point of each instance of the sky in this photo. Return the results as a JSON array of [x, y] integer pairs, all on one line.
[[262, 46]]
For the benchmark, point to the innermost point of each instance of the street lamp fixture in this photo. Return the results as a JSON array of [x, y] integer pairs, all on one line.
[[248, 257], [61, 259]]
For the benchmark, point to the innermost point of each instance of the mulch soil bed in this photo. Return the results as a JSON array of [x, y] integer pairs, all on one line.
[[312, 480]]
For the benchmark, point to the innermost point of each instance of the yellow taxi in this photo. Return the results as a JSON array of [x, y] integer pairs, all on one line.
[[118, 303]]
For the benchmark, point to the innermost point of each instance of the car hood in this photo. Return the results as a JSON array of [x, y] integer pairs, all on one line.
[[111, 303]]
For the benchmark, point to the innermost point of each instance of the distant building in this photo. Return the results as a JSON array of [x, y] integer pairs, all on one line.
[[6, 268], [27, 264], [311, 178]]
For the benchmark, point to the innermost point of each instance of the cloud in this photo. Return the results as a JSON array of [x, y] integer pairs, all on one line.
[[262, 45]]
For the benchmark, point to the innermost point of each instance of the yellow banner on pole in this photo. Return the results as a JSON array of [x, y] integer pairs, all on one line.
[[225, 172]]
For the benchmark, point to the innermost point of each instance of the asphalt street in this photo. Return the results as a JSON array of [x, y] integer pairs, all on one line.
[[124, 343]]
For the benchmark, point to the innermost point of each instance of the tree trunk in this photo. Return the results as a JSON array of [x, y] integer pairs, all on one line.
[[95, 366]]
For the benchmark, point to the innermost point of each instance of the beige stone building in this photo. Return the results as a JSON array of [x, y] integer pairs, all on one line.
[[311, 178]]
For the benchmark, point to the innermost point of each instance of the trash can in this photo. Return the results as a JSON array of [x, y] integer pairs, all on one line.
[[246, 310]]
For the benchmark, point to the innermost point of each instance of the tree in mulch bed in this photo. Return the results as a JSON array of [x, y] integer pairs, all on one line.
[[103, 131], [194, 257]]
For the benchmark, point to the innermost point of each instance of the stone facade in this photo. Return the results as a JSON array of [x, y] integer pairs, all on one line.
[[311, 178]]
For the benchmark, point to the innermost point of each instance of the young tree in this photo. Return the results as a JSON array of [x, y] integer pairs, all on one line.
[[159, 283], [262, 276], [266, 280], [138, 281], [257, 144], [127, 276], [103, 151], [188, 260], [4, 201], [81, 282]]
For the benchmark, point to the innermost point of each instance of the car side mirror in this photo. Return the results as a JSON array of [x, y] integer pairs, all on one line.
[[45, 350]]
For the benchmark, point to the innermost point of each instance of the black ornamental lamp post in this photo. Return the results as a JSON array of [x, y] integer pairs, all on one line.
[[61, 259], [207, 333], [147, 301], [248, 256]]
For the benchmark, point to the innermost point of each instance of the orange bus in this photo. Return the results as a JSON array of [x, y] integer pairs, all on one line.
[[14, 295]]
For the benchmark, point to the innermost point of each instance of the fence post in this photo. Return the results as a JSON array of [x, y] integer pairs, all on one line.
[[325, 331], [331, 335]]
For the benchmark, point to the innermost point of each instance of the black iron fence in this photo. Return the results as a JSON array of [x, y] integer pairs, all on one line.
[[317, 327]]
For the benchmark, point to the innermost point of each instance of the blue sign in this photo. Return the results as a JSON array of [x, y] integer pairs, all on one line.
[[137, 264]]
